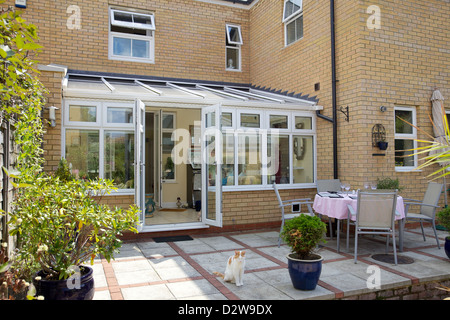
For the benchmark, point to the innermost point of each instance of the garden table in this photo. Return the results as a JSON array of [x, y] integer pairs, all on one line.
[[334, 205]]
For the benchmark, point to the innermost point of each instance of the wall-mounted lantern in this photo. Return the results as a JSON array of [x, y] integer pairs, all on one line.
[[52, 115], [379, 137]]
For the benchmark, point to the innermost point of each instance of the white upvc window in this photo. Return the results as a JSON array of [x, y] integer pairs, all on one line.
[[233, 42], [98, 141], [293, 20], [131, 36], [405, 138], [263, 147]]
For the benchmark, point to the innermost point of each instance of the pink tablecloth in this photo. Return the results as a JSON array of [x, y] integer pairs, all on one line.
[[337, 207]]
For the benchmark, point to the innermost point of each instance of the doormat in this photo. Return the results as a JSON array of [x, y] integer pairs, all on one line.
[[172, 239], [389, 258], [173, 209]]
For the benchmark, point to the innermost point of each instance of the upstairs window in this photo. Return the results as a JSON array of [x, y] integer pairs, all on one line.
[[293, 20], [131, 36], [233, 42]]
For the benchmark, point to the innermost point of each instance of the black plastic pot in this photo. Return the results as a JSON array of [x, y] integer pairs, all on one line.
[[81, 288]]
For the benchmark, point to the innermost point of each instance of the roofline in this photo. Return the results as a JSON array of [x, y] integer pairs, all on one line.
[[287, 95]]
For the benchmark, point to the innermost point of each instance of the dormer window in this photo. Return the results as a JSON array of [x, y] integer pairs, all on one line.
[[131, 36]]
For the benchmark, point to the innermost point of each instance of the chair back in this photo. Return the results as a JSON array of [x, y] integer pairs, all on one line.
[[328, 185], [431, 197], [376, 209]]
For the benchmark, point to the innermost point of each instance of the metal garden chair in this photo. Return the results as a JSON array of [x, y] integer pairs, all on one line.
[[329, 185], [375, 214], [291, 203], [428, 206]]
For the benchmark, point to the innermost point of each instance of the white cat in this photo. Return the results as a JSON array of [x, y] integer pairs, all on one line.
[[234, 271]]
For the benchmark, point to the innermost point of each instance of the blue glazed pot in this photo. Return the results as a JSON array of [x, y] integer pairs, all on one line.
[[76, 289], [304, 274], [447, 246]]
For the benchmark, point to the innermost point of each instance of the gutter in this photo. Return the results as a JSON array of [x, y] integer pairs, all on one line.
[[333, 90]]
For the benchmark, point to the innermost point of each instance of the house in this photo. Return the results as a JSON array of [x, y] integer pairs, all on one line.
[[295, 89]]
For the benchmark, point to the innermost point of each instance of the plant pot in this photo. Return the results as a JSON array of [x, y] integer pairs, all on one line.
[[382, 145], [71, 289], [447, 246], [304, 274]]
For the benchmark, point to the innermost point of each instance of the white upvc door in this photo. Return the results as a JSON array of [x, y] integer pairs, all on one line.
[[139, 160], [211, 152]]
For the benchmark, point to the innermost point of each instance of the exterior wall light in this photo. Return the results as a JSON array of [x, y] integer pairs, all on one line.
[[52, 115], [383, 109]]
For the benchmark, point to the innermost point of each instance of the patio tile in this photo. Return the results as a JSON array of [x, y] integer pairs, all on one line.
[[152, 292], [195, 288], [102, 295], [128, 251], [221, 243], [194, 246], [133, 272], [256, 240], [255, 288], [173, 268], [156, 250]]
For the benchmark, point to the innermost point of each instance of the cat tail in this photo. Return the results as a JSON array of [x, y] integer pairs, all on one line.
[[219, 274]]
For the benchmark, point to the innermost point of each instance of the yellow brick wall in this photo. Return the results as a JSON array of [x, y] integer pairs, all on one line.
[[399, 64]]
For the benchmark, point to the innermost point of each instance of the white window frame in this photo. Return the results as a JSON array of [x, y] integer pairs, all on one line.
[[263, 131], [403, 136], [233, 45], [174, 135], [150, 38], [291, 19], [101, 125]]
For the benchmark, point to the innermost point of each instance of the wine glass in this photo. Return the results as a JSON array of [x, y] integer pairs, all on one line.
[[347, 187], [366, 185], [373, 186]]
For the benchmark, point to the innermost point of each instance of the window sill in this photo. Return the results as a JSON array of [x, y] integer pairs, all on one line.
[[131, 59]]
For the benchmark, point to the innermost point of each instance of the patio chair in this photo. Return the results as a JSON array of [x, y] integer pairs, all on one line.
[[329, 185], [291, 203], [375, 214], [428, 206]]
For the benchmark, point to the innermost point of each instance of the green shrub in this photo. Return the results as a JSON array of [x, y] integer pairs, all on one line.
[[303, 234], [389, 184], [444, 218]]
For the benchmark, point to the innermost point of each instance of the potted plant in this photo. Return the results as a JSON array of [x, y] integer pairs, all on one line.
[[444, 220], [388, 183], [303, 234], [60, 227], [382, 144]]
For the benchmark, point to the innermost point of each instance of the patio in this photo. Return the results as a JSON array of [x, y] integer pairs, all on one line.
[[184, 270]]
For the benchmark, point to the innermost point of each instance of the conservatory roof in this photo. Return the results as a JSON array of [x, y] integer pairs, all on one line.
[[164, 91]]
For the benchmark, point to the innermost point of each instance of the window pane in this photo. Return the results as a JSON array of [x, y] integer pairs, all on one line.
[[291, 6], [294, 30], [168, 164], [303, 159], [278, 159], [82, 152], [123, 16], [401, 154], [249, 157], [249, 120], [303, 123], [400, 125], [167, 121], [227, 119], [234, 35], [141, 48], [120, 115], [210, 119], [119, 158], [142, 19], [83, 113], [279, 122], [122, 47], [228, 159], [233, 58]]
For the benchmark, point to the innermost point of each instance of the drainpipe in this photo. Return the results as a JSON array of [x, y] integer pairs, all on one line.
[[333, 92]]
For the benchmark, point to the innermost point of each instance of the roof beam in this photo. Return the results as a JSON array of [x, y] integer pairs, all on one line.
[[253, 95], [109, 85], [220, 92], [186, 90], [159, 93]]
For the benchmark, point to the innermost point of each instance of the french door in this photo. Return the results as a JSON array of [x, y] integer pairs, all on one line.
[[211, 152], [139, 160]]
